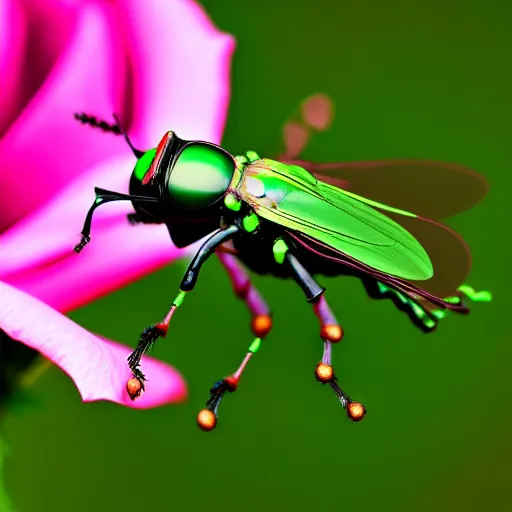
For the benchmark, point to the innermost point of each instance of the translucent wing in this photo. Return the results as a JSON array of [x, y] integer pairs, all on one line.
[[431, 189], [351, 225], [448, 253]]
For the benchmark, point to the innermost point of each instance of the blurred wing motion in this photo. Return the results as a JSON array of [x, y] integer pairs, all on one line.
[[429, 189], [392, 245]]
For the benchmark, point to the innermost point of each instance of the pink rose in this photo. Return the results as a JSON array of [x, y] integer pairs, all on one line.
[[159, 66]]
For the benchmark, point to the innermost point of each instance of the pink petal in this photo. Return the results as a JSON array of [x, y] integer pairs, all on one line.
[[115, 257], [12, 46], [54, 228], [46, 147], [32, 36], [37, 256], [97, 367], [45, 31], [180, 67]]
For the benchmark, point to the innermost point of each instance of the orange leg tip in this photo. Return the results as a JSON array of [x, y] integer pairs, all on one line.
[[206, 420], [261, 325], [324, 373], [134, 388], [356, 411], [331, 332]]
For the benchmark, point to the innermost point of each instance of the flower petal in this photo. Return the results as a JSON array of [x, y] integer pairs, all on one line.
[[43, 29], [12, 45], [97, 367], [54, 228], [116, 256], [180, 65], [37, 256], [46, 146]]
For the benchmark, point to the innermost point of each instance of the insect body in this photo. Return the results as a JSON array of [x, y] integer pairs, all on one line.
[[296, 220]]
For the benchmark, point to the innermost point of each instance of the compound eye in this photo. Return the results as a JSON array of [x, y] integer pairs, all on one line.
[[143, 164], [200, 177], [159, 152]]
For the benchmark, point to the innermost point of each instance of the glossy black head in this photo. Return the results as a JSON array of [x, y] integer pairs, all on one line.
[[185, 175], [190, 179]]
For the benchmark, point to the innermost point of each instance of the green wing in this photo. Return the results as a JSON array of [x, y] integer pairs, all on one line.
[[291, 197]]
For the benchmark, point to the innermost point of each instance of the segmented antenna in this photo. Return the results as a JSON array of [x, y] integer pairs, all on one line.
[[98, 123], [111, 128], [83, 242]]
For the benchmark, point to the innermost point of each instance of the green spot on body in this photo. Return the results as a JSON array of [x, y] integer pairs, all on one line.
[[428, 322], [439, 314], [251, 222], [403, 298], [255, 345], [417, 310], [452, 300], [240, 160], [179, 299], [382, 287], [232, 202], [280, 249], [252, 156]]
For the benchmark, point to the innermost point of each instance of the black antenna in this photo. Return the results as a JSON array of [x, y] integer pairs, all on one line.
[[106, 196], [107, 127], [137, 152]]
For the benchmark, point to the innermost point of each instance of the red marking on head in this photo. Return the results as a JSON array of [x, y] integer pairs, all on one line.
[[158, 157]]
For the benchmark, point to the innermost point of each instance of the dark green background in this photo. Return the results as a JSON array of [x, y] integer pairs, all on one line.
[[429, 80]]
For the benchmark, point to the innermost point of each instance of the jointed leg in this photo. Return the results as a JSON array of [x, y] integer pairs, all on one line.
[[135, 385], [261, 325], [207, 417], [245, 290], [330, 332]]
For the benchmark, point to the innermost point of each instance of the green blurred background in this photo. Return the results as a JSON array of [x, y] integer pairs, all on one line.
[[428, 80]]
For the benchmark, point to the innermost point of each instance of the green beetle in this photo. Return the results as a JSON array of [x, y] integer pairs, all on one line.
[[298, 219]]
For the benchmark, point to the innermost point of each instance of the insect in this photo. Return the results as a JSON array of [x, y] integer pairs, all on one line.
[[297, 219]]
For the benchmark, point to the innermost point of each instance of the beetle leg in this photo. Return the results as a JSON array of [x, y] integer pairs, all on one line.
[[261, 325], [135, 385], [246, 291], [207, 417], [330, 332]]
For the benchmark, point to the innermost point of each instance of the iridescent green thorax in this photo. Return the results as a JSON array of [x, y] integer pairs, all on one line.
[[200, 176]]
